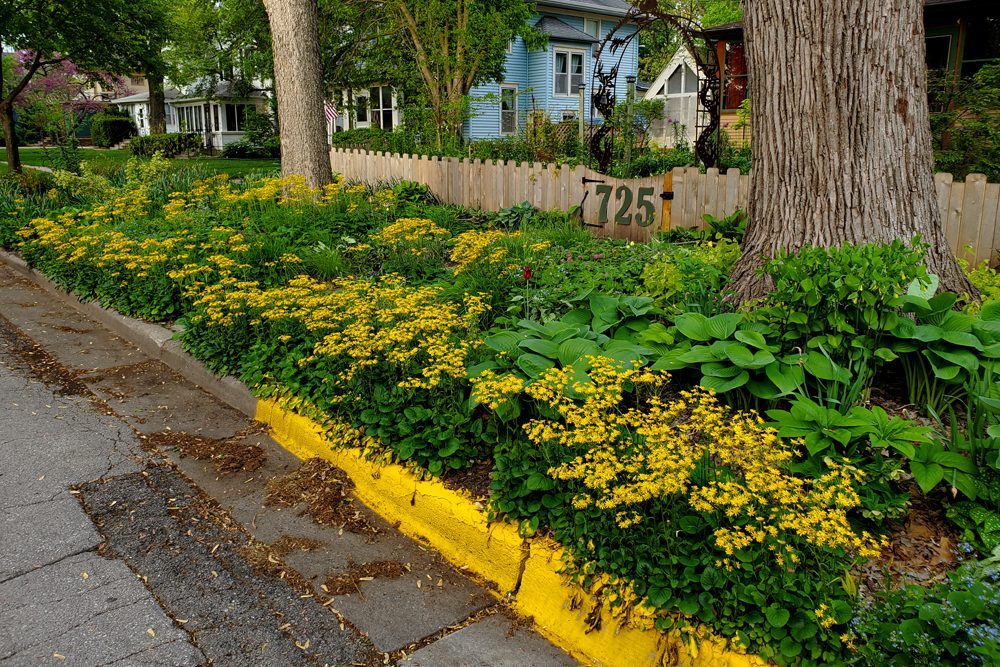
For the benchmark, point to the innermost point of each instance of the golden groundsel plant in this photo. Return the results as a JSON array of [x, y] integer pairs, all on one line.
[[621, 458]]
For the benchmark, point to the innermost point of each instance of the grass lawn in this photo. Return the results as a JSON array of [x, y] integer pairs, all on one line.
[[108, 158]]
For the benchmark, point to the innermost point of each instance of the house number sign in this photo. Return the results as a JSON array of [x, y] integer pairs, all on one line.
[[624, 205]]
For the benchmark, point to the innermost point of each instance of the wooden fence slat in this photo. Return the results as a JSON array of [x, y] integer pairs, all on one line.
[[970, 210], [971, 216]]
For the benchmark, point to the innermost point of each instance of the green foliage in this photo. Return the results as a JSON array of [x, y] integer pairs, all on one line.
[[964, 123], [691, 277], [954, 622], [169, 145], [108, 129]]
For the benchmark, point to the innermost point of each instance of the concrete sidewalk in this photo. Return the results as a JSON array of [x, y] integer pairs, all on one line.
[[114, 466]]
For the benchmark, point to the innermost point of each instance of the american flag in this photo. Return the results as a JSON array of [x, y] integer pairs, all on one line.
[[331, 112]]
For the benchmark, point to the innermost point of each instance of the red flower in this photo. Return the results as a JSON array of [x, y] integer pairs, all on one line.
[[527, 272]]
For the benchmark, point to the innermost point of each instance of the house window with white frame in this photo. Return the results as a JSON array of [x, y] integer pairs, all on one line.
[[508, 109], [236, 117], [380, 101], [569, 72]]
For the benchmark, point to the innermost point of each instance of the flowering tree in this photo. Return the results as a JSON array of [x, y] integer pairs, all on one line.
[[109, 35]]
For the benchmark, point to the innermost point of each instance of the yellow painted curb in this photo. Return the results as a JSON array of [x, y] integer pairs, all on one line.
[[451, 523], [544, 596], [425, 509]]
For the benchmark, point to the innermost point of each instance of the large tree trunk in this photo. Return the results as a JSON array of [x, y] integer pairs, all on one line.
[[842, 142], [298, 84], [10, 138], [157, 104]]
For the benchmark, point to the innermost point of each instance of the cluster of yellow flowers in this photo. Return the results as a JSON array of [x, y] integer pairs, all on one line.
[[363, 323], [651, 450], [494, 390], [410, 232], [477, 248]]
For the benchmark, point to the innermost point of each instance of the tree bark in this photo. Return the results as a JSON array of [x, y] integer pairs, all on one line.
[[157, 104], [298, 85], [842, 141], [10, 137]]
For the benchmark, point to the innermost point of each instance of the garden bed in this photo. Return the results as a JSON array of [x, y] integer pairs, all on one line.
[[608, 389]]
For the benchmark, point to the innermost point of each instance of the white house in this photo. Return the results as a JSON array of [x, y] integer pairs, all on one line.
[[219, 114], [137, 106], [677, 86]]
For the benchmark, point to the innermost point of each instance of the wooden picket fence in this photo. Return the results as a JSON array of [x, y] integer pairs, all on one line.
[[636, 208]]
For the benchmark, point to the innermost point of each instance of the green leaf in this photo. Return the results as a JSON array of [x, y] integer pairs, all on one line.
[[739, 354], [546, 348], [777, 616], [721, 385], [539, 482], [693, 326], [786, 377], [790, 648], [571, 350], [752, 338], [927, 475], [534, 365], [723, 326], [505, 341]]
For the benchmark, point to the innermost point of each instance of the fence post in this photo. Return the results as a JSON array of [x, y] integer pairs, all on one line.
[[668, 187]]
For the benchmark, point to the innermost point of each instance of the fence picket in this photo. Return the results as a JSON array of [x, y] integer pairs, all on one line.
[[970, 210]]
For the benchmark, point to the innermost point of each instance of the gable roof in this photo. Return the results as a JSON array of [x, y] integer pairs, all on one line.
[[606, 7], [169, 94], [563, 32]]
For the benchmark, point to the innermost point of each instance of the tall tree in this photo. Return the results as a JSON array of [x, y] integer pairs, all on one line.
[[298, 85], [842, 141], [457, 44], [107, 35]]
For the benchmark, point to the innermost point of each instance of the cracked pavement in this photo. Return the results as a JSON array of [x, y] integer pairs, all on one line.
[[118, 547]]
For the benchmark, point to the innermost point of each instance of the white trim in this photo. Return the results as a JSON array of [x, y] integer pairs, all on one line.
[[569, 66], [682, 57], [517, 110]]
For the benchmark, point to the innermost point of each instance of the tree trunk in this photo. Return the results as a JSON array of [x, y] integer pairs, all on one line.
[[157, 104], [298, 85], [842, 141], [10, 137]]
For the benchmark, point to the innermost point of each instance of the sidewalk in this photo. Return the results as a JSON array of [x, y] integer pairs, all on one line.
[[114, 467]]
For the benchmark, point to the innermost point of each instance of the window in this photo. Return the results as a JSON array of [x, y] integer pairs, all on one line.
[[362, 109], [982, 43], [508, 109], [215, 117], [938, 52], [682, 81], [136, 80], [142, 120], [734, 84], [236, 117], [381, 106], [568, 115], [568, 72]]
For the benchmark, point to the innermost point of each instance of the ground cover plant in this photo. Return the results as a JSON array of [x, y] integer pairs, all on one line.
[[740, 469]]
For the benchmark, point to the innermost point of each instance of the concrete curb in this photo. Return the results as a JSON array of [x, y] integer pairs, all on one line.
[[525, 570]]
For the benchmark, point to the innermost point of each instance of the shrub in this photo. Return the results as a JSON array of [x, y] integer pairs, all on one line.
[[169, 145], [109, 128], [246, 150]]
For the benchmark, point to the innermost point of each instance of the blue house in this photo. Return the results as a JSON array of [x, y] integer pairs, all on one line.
[[545, 81], [549, 80]]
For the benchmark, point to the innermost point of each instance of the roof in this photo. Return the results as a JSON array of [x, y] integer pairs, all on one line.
[[605, 7], [168, 94], [563, 32], [223, 90]]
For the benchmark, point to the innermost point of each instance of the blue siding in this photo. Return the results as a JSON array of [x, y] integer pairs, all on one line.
[[533, 72]]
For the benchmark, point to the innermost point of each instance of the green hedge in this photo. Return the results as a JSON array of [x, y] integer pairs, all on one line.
[[170, 145], [108, 129]]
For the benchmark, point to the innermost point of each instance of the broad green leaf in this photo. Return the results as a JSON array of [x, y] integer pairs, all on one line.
[[692, 325], [722, 385], [927, 475], [723, 326], [505, 341], [576, 348], [546, 348], [534, 365]]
